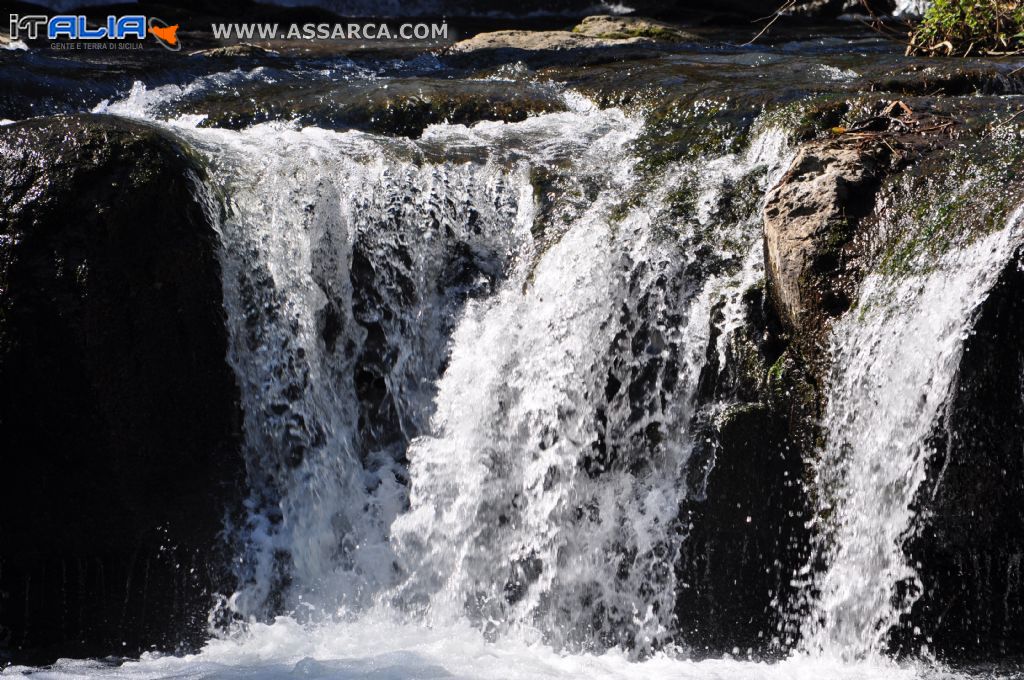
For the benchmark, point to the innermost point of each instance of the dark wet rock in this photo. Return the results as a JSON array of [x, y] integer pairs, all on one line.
[[746, 511], [401, 107], [830, 9], [623, 27], [118, 412], [955, 78], [969, 549], [968, 542], [816, 226]]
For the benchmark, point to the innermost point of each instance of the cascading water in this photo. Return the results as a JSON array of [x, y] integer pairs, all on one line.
[[469, 366], [390, 251], [536, 372], [344, 268], [547, 491], [895, 359]]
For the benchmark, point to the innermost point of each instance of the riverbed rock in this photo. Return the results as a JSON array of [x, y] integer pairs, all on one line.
[[969, 547], [545, 47], [624, 27], [891, 199], [232, 51], [119, 415]]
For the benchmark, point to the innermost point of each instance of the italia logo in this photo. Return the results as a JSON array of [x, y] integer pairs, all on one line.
[[76, 27]]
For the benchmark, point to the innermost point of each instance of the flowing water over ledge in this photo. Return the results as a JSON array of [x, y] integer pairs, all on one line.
[[897, 361], [471, 366]]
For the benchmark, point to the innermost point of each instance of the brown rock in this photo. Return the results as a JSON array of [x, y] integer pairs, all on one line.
[[809, 220], [546, 46], [624, 27]]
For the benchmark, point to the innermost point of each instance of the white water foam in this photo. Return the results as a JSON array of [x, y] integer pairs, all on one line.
[[376, 647], [516, 522]]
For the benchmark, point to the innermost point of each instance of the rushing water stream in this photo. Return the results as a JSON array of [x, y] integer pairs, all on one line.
[[470, 400]]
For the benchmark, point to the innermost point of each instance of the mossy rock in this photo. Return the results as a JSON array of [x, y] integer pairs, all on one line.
[[623, 27]]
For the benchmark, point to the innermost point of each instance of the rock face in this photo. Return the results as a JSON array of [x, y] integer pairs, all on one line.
[[747, 511], [970, 546], [406, 107], [118, 412], [809, 219]]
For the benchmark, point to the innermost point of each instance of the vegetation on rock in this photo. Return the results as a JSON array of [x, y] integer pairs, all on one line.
[[970, 27]]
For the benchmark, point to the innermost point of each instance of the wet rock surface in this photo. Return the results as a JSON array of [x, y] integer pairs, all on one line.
[[748, 508], [237, 50], [820, 219], [546, 47], [118, 411], [403, 108], [828, 224], [808, 218], [970, 542]]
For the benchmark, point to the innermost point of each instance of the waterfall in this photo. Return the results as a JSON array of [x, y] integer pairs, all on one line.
[[547, 491], [895, 359], [347, 259], [344, 264], [468, 365]]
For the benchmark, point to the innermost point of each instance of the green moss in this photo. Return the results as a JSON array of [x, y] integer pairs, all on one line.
[[777, 371], [623, 29], [966, 27], [682, 133], [641, 31], [976, 189]]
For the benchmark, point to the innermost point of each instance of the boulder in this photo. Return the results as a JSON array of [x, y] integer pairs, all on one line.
[[119, 416], [231, 51], [889, 198], [624, 27], [406, 107], [545, 47], [810, 217]]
